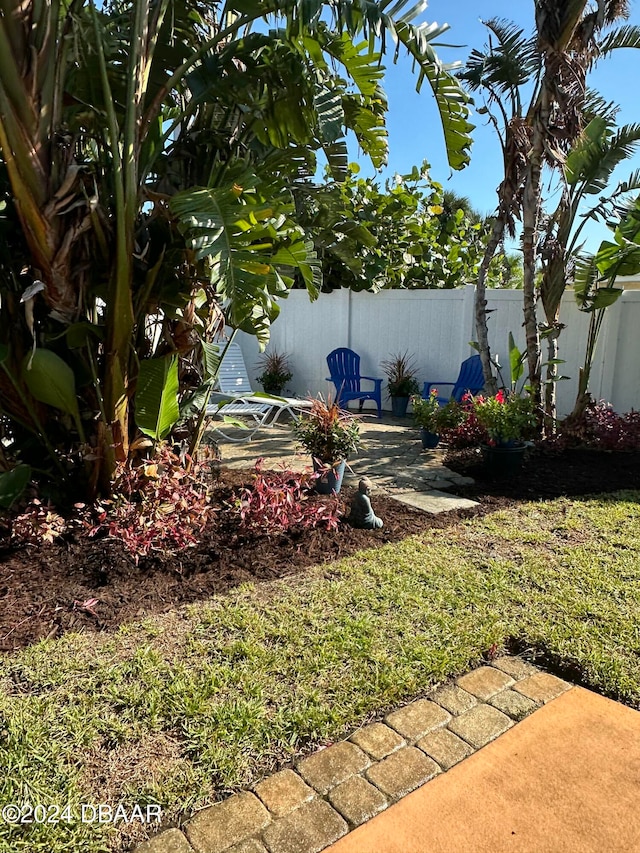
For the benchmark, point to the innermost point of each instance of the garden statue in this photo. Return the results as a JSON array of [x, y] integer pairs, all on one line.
[[361, 514]]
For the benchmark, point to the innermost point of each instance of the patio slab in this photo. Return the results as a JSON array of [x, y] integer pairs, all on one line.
[[433, 501]]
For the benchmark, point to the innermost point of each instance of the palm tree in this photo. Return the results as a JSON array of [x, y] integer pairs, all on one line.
[[569, 39], [148, 150]]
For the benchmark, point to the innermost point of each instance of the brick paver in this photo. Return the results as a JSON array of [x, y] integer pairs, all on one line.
[[454, 699], [171, 841], [485, 682], [357, 800], [250, 846], [480, 725], [220, 826], [402, 772], [283, 792], [513, 704], [515, 667], [542, 687], [308, 829], [445, 748], [417, 719], [327, 768], [377, 740]]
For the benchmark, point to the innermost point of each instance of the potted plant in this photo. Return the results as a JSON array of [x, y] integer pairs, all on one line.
[[329, 434], [401, 382], [509, 421], [275, 372], [426, 416]]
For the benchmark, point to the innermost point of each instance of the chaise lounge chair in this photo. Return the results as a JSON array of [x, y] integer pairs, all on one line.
[[236, 398], [470, 379]]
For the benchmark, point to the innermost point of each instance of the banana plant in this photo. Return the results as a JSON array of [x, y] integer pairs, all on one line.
[[595, 290], [150, 151], [587, 173]]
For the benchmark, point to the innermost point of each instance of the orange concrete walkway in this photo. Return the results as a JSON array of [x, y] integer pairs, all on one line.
[[565, 780]]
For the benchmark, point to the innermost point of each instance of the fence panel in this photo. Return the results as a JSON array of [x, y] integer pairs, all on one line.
[[435, 326]]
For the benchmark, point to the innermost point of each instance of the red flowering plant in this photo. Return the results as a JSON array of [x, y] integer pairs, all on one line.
[[507, 418]]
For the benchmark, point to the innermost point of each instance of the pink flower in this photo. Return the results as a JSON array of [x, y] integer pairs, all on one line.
[[500, 396]]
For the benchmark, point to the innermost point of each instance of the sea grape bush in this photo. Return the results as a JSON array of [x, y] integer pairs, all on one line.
[[279, 500], [601, 427], [158, 505]]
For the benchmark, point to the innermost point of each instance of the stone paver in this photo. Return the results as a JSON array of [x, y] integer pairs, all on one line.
[[250, 846], [171, 841], [218, 827], [480, 725], [327, 768], [434, 501], [515, 667], [402, 772], [454, 699], [445, 748], [357, 800], [283, 792], [377, 740], [542, 687], [417, 719], [308, 829], [485, 682], [513, 704]]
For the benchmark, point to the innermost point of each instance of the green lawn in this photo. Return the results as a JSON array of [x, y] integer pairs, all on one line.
[[184, 708]]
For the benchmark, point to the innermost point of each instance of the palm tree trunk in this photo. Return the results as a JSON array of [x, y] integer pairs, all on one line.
[[550, 382], [482, 331]]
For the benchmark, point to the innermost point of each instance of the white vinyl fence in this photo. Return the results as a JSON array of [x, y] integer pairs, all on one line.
[[435, 326]]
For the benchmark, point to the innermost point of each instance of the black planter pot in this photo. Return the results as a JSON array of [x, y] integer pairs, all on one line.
[[504, 460], [399, 406], [330, 479], [429, 439]]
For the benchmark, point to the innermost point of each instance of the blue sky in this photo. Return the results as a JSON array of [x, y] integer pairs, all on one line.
[[414, 131]]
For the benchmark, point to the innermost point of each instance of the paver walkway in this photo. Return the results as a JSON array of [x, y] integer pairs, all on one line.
[[566, 779], [391, 455]]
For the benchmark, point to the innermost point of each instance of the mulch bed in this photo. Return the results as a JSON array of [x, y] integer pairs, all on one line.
[[42, 589]]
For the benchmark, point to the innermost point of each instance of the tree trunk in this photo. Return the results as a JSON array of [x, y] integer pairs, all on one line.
[[550, 384], [482, 331]]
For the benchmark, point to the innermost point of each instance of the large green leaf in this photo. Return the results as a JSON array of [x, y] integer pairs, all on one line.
[[244, 238], [157, 396], [50, 380], [516, 360], [451, 99], [13, 483]]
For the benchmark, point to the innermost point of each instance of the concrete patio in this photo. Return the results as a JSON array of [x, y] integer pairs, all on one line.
[[391, 455]]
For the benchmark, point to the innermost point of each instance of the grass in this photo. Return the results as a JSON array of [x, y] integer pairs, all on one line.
[[184, 708]]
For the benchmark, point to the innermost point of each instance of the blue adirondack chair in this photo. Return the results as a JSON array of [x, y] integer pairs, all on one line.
[[469, 379], [344, 367]]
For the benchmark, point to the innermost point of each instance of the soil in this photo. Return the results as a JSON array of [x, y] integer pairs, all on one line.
[[43, 589]]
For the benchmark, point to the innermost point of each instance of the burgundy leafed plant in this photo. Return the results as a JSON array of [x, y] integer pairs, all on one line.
[[279, 500], [158, 505]]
